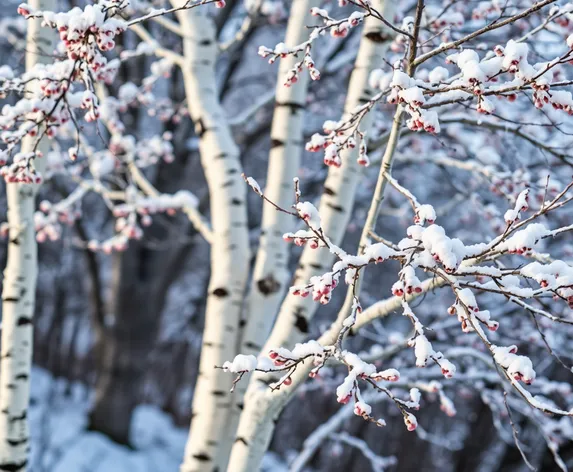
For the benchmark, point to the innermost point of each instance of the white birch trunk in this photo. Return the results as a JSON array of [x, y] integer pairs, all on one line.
[[209, 440], [19, 289], [339, 189], [271, 275], [261, 406]]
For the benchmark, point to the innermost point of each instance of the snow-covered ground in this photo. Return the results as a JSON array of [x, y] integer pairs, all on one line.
[[60, 442]]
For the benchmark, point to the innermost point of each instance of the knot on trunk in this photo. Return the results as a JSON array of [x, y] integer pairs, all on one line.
[[268, 285]]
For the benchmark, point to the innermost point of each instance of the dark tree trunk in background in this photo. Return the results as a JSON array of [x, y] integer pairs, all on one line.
[[141, 280], [122, 346], [481, 425], [142, 276]]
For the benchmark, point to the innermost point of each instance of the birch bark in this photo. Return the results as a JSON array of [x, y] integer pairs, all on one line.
[[261, 409], [209, 437], [270, 275], [339, 189], [19, 289]]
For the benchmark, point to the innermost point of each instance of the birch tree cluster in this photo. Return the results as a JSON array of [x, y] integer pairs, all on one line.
[[401, 241]]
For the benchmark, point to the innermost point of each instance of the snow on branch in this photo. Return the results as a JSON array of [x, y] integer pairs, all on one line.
[[59, 97], [427, 249]]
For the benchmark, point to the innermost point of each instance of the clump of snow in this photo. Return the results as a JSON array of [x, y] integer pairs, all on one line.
[[525, 240], [378, 252], [521, 204], [308, 212], [423, 350], [517, 367], [425, 213], [254, 185], [241, 363], [438, 74]]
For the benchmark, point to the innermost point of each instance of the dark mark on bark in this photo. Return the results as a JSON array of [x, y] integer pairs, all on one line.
[[335, 207], [377, 36], [17, 442], [301, 323], [21, 417], [253, 346], [276, 143], [221, 292], [293, 106], [14, 466], [268, 285], [199, 127]]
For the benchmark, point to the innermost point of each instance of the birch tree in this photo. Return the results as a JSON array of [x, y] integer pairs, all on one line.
[[229, 247], [19, 286], [270, 273]]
